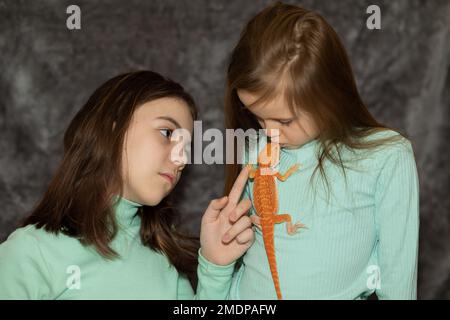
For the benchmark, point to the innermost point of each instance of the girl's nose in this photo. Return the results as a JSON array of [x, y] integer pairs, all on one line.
[[180, 148], [179, 158], [180, 165], [273, 134]]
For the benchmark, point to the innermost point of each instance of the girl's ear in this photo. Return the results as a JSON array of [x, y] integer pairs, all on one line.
[[114, 125]]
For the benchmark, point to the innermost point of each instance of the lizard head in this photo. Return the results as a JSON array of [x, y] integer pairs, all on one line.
[[270, 155]]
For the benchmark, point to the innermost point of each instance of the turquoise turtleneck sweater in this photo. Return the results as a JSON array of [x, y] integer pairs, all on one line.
[[35, 264], [361, 237]]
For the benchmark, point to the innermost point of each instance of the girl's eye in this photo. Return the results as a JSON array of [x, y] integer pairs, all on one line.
[[166, 133], [285, 122]]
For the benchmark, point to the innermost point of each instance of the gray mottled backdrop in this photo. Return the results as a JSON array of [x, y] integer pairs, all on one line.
[[48, 71]]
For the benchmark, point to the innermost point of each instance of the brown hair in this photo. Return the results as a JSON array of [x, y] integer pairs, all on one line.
[[79, 199], [286, 49]]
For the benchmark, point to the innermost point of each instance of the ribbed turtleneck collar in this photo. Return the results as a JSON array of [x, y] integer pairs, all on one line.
[[304, 155], [126, 211]]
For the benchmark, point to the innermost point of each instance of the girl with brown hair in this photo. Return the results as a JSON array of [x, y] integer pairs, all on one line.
[[105, 226], [357, 187]]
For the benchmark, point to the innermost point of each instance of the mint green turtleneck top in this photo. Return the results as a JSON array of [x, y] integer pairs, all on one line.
[[35, 264], [362, 231]]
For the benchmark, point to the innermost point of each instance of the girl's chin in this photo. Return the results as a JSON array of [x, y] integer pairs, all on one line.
[[153, 202], [155, 199], [153, 196]]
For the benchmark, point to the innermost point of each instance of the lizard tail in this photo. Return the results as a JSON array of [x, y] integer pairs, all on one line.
[[269, 244]]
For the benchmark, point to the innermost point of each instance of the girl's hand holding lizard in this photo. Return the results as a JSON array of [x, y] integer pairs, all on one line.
[[226, 231]]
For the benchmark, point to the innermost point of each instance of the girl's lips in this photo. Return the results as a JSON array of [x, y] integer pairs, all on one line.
[[168, 177]]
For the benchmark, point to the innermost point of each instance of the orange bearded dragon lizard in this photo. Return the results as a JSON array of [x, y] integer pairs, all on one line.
[[265, 201]]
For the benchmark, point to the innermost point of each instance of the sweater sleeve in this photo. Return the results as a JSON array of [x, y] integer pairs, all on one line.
[[214, 281], [23, 271], [397, 221]]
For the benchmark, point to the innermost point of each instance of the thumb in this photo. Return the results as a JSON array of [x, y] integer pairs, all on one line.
[[214, 208]]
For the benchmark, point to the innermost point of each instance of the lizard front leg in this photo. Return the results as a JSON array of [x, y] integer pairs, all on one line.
[[291, 170], [252, 172]]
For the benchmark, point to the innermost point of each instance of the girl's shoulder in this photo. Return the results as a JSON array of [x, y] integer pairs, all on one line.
[[31, 242], [387, 134], [24, 239], [22, 245], [31, 233], [385, 143], [29, 261], [380, 148]]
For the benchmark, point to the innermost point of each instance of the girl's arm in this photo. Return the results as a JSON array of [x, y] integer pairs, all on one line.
[[397, 220], [214, 281], [23, 272]]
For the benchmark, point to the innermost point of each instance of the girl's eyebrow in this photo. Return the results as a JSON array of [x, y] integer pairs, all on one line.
[[170, 119]]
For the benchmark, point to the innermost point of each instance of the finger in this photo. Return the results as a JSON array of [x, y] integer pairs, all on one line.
[[246, 236], [256, 220], [240, 225], [239, 185], [240, 209], [214, 208]]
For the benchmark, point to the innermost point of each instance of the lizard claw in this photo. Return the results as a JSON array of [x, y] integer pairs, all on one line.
[[292, 229]]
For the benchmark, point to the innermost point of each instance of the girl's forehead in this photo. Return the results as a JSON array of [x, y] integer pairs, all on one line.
[[271, 110], [165, 109], [276, 108]]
